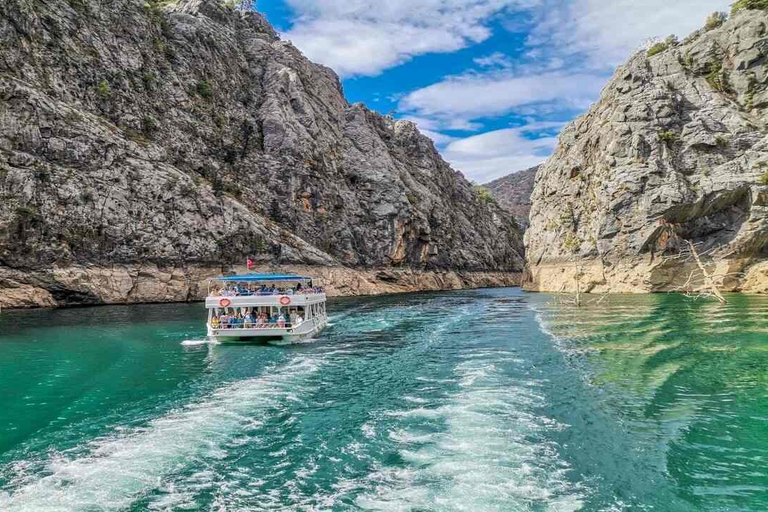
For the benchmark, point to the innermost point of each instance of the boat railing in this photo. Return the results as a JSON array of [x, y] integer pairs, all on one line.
[[259, 325], [266, 294]]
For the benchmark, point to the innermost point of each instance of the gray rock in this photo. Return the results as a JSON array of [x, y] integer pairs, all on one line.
[[513, 193], [191, 135], [676, 139]]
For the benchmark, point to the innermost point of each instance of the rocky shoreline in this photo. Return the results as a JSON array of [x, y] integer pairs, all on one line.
[[641, 275], [148, 283]]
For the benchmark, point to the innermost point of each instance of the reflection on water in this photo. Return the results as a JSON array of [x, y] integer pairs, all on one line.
[[690, 377]]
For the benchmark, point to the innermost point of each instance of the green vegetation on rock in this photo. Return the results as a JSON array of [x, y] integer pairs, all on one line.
[[668, 137], [204, 89], [743, 5], [483, 194], [660, 47], [657, 48], [104, 90], [715, 20]]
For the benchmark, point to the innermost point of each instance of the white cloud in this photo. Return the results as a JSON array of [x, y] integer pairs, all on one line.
[[490, 155], [606, 33], [473, 96], [360, 37]]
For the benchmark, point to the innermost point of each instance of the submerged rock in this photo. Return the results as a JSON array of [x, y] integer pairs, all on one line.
[[172, 140], [675, 150]]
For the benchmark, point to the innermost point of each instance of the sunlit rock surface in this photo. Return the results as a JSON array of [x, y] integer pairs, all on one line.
[[677, 140]]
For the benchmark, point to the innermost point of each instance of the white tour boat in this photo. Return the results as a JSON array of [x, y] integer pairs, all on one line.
[[270, 307]]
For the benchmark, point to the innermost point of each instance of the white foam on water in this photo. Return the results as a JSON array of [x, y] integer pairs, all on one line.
[[117, 470], [492, 454], [192, 343], [415, 399], [368, 430]]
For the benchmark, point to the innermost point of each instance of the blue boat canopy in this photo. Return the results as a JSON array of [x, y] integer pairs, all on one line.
[[253, 278]]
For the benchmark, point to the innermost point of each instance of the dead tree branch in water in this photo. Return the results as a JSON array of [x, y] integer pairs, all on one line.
[[575, 298], [701, 282]]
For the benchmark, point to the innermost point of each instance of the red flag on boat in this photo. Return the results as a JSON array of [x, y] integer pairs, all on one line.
[[249, 262]]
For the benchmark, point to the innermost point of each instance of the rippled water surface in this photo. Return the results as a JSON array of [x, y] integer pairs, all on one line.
[[489, 400]]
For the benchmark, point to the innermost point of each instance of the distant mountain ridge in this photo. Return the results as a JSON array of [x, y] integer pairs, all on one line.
[[513, 193]]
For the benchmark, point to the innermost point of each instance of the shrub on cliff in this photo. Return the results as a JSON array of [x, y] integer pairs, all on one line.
[[657, 48], [104, 90], [668, 137], [763, 179], [483, 194], [204, 89], [717, 77], [741, 5], [715, 20]]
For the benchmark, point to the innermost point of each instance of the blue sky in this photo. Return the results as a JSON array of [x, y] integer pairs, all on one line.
[[491, 81]]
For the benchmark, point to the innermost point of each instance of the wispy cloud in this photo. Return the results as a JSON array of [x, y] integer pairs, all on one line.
[[496, 59]]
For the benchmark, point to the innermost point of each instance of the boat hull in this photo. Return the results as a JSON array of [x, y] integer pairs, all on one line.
[[270, 335]]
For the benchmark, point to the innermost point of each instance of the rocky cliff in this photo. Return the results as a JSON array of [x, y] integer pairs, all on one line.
[[145, 146], [675, 151], [513, 193]]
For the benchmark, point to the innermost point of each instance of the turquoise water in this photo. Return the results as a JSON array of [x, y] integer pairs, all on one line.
[[489, 400]]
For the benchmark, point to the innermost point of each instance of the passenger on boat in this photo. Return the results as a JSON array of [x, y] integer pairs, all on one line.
[[299, 319], [224, 320], [215, 323], [281, 321], [248, 321], [293, 317]]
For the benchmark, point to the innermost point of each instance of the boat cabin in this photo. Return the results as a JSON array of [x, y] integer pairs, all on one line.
[[265, 305]]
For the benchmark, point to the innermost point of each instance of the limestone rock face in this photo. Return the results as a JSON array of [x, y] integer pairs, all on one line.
[[513, 193], [676, 144], [183, 136]]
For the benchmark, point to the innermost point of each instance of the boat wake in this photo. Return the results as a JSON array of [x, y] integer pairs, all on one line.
[[113, 472], [492, 453]]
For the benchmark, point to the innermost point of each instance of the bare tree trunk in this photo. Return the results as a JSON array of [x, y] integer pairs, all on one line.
[[578, 290], [709, 280]]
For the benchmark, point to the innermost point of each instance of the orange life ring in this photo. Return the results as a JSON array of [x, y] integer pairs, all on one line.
[[285, 301], [225, 302]]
